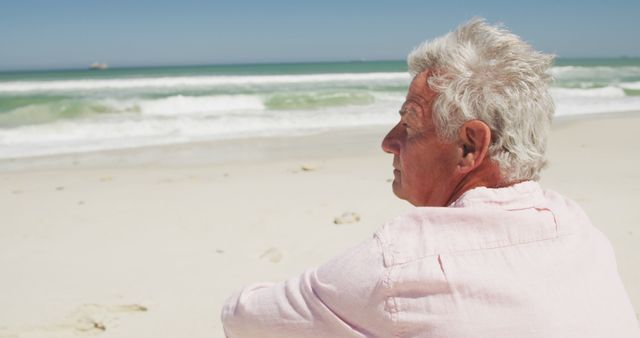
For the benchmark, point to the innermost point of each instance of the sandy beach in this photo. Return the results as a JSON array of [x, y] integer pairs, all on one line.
[[149, 242]]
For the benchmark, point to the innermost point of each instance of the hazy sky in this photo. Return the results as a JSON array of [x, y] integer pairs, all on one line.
[[67, 34]]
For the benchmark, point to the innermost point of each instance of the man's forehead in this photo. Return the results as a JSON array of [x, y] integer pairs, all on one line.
[[420, 85], [420, 95], [420, 77]]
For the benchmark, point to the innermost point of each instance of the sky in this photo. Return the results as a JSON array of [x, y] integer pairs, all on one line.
[[73, 34]]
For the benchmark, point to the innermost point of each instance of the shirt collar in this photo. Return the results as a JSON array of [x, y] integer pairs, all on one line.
[[517, 196]]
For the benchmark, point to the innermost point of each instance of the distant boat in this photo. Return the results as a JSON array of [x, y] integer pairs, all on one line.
[[99, 66]]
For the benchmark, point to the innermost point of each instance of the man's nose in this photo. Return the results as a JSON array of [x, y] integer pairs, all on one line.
[[390, 142]]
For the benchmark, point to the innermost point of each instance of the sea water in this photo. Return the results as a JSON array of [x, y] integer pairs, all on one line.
[[50, 112]]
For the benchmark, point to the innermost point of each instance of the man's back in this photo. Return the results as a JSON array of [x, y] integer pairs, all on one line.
[[523, 263], [508, 262]]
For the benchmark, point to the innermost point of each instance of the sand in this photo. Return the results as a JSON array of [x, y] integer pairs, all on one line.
[[149, 242]]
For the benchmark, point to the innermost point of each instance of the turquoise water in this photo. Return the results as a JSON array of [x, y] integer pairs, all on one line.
[[45, 112], [243, 69], [597, 73]]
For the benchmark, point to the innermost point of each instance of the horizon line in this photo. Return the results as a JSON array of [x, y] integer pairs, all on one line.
[[231, 64]]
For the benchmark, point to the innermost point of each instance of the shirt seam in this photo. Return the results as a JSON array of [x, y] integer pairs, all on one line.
[[401, 261], [391, 304]]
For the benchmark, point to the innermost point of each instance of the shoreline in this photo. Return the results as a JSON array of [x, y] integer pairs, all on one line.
[[348, 141], [226, 151]]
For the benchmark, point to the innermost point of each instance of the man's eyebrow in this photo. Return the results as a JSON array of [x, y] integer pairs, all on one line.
[[403, 111], [409, 106]]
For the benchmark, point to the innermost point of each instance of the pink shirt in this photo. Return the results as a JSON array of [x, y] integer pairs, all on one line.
[[508, 262]]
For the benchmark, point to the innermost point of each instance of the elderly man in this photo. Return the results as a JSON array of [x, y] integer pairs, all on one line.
[[486, 252]]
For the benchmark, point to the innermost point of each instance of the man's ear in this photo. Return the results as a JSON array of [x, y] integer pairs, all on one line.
[[474, 138]]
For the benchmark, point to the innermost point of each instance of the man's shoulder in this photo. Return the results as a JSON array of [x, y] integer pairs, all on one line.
[[483, 220]]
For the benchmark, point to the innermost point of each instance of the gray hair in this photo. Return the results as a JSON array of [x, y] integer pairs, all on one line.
[[487, 73]]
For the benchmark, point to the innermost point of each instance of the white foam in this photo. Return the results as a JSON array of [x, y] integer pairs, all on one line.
[[630, 85], [602, 73], [199, 105], [190, 81], [610, 92], [568, 107], [593, 101], [112, 132]]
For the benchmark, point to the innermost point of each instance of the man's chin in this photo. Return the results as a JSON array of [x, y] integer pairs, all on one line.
[[397, 189]]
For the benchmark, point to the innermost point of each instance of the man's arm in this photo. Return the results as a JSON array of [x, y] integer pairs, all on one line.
[[342, 298]]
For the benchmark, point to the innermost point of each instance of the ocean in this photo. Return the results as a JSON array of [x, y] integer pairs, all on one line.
[[66, 111]]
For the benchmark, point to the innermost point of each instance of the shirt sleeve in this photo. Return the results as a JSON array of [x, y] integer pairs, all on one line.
[[342, 298]]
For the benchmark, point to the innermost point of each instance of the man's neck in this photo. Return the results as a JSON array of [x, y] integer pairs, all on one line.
[[487, 175]]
